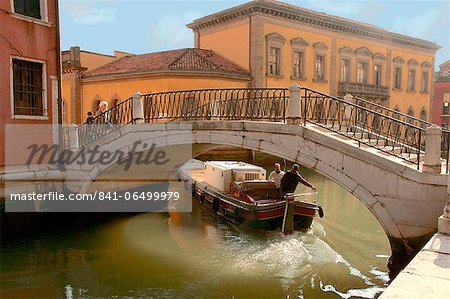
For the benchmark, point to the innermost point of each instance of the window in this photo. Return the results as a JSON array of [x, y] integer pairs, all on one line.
[[425, 75], [361, 74], [298, 50], [412, 66], [30, 8], [377, 73], [274, 44], [378, 68], [297, 68], [28, 88], [345, 70], [274, 57], [346, 58], [320, 55], [398, 78], [446, 100], [445, 108], [398, 70], [319, 72], [423, 114], [424, 84], [411, 79]]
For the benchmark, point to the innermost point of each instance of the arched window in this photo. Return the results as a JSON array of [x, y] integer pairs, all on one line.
[[95, 104], [410, 111], [423, 114], [114, 102]]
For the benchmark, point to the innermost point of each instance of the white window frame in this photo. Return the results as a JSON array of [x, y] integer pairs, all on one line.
[[379, 59], [346, 54], [321, 49], [298, 45], [274, 40], [363, 76], [380, 74], [44, 14], [425, 68], [363, 55], [398, 64], [412, 66], [44, 90]]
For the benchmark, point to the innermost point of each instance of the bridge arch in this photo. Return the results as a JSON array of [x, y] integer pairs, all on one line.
[[395, 192]]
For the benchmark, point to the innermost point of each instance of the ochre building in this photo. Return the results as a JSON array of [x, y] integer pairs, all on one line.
[[118, 77], [283, 44]]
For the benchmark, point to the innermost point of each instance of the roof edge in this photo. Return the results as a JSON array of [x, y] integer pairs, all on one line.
[[312, 18]]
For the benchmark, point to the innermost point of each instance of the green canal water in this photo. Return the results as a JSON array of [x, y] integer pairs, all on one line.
[[197, 255]]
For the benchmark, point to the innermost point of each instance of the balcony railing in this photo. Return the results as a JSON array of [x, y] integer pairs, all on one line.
[[363, 89]]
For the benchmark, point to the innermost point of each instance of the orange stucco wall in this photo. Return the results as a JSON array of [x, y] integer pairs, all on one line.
[[24, 38], [222, 39], [286, 68], [233, 41], [403, 99], [94, 60]]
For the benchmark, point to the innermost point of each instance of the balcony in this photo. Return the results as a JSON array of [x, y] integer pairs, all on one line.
[[367, 91]]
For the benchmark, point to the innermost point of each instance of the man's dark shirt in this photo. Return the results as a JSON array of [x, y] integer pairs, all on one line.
[[289, 182]]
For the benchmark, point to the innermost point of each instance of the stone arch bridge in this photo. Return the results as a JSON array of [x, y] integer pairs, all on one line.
[[390, 161]]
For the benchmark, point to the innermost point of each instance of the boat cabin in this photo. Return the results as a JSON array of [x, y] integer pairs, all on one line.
[[222, 174]]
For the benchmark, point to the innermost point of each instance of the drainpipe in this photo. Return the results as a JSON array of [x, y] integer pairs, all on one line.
[[58, 62]]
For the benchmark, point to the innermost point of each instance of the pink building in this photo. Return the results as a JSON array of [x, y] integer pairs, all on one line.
[[29, 65], [441, 99]]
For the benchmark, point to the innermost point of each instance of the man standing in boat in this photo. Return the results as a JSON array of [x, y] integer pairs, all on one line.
[[276, 175], [290, 180]]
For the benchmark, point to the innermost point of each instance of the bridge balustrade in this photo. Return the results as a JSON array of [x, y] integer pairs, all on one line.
[[373, 125]]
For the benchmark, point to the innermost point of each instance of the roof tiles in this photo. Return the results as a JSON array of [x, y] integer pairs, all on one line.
[[189, 59]]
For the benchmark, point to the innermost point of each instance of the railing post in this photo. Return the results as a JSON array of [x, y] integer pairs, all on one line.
[[74, 143], [295, 105], [444, 220], [348, 112], [433, 136], [138, 109]]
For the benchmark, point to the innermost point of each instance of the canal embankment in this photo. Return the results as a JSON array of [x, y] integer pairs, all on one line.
[[427, 275]]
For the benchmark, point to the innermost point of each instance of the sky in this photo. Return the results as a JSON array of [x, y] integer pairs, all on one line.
[[143, 26]]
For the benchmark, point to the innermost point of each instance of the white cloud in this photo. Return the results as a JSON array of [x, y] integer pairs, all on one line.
[[170, 32], [85, 13]]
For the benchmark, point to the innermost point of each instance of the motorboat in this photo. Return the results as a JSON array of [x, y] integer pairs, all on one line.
[[240, 193]]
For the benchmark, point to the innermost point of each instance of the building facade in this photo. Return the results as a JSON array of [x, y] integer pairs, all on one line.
[[29, 66], [75, 63], [441, 100], [85, 86], [282, 44]]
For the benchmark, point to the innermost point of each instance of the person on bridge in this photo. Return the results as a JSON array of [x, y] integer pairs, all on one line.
[[276, 175], [290, 180]]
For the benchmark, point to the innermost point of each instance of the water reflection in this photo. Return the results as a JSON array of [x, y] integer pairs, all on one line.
[[198, 255]]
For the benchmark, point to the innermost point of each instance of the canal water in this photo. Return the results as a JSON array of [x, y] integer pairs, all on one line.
[[197, 255]]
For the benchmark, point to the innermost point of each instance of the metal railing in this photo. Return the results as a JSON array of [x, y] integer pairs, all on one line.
[[262, 104], [106, 122], [374, 129], [376, 126], [445, 144]]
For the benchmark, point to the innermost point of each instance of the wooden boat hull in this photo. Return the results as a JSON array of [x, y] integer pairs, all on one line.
[[260, 217]]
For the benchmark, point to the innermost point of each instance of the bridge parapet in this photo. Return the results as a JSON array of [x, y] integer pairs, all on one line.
[[370, 124]]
